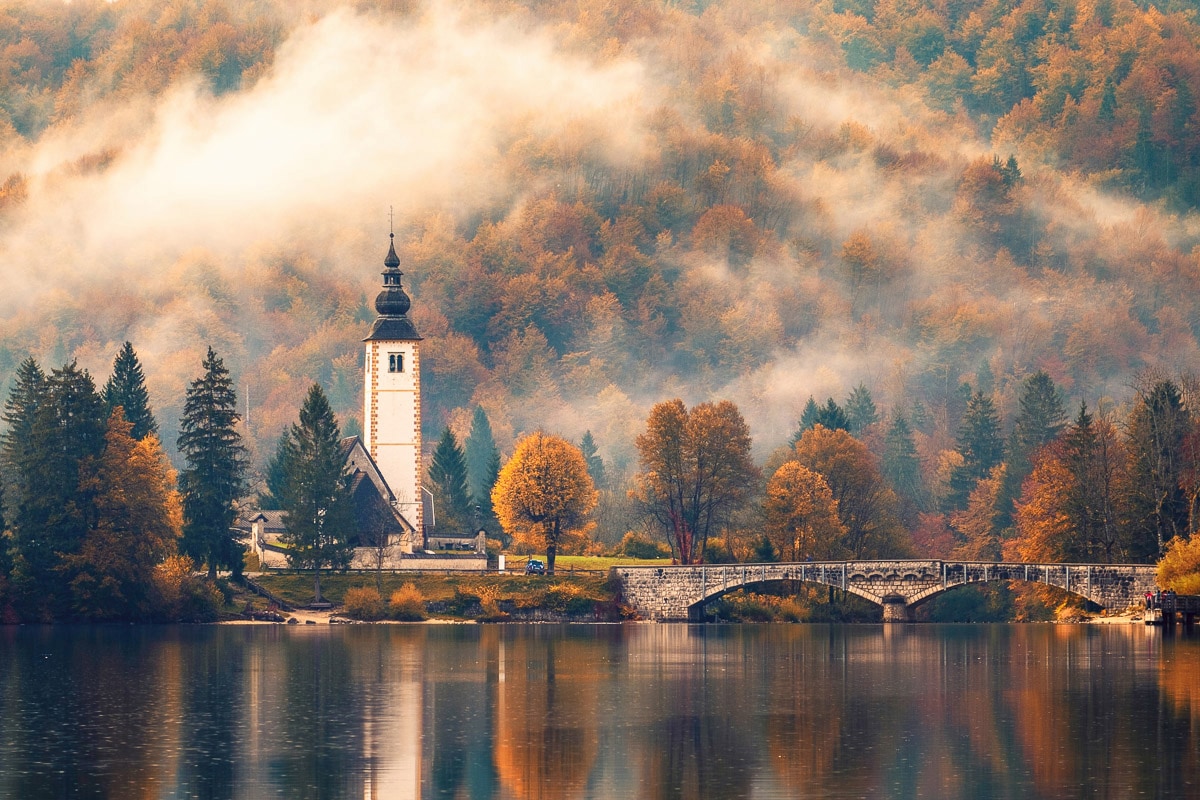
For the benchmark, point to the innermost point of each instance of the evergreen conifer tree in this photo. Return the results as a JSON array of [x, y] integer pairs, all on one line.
[[214, 478], [479, 449], [595, 464], [981, 446], [315, 495], [902, 468], [860, 410], [448, 476], [126, 388], [51, 517], [16, 447], [1157, 501], [1040, 419]]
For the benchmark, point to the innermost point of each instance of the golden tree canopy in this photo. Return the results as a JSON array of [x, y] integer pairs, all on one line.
[[866, 506], [801, 515], [544, 491]]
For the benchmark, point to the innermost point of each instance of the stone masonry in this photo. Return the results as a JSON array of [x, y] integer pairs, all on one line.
[[679, 593]]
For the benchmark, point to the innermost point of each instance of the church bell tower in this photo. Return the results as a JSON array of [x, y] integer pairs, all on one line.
[[392, 400]]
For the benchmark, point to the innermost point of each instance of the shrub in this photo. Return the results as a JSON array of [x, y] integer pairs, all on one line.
[[1180, 567], [635, 545], [181, 596], [489, 600], [408, 605], [715, 552], [364, 603]]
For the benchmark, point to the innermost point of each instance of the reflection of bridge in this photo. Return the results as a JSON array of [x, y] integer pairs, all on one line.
[[679, 593]]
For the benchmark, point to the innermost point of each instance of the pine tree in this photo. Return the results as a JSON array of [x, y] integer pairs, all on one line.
[[480, 447], [214, 478], [127, 388], [16, 447], [1157, 501], [595, 464], [1040, 419], [448, 479], [902, 468], [315, 496], [51, 519], [860, 410], [981, 446], [808, 418]]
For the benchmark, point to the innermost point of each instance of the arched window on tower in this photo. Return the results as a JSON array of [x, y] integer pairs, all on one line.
[[395, 362]]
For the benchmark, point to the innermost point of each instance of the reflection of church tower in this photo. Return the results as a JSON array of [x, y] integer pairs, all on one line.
[[392, 404]]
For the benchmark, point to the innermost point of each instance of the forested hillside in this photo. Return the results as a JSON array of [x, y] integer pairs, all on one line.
[[600, 205]]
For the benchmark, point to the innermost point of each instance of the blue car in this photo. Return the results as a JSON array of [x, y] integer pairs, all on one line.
[[535, 567]]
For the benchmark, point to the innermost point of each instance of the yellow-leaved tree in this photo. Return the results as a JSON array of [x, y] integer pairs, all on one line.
[[544, 492], [801, 515], [138, 521], [1180, 567]]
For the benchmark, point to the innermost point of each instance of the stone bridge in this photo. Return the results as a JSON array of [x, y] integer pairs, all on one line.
[[679, 593]]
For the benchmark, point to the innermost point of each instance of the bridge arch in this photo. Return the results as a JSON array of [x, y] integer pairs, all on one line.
[[677, 592]]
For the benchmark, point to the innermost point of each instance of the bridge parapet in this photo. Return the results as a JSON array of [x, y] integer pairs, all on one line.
[[679, 592]]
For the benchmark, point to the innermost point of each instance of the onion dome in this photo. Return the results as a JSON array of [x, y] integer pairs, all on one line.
[[392, 304]]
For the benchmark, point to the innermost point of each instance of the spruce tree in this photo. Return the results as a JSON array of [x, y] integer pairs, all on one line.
[[808, 418], [595, 464], [860, 410], [1157, 501], [315, 495], [127, 388], [16, 447], [1040, 419], [51, 518], [981, 446], [214, 478], [483, 467], [479, 449], [902, 468], [448, 476]]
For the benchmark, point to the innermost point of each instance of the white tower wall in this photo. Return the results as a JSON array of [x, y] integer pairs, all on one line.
[[392, 417]]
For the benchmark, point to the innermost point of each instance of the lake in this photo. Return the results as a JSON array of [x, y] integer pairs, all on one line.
[[599, 711]]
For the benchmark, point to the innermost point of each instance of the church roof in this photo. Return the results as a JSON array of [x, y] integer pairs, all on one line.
[[392, 304]]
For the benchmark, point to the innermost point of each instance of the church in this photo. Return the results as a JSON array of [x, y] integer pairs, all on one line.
[[393, 511]]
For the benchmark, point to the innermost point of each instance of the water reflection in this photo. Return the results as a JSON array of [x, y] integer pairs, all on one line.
[[642, 711]]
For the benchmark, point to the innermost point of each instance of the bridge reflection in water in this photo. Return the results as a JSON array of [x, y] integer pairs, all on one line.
[[680, 592]]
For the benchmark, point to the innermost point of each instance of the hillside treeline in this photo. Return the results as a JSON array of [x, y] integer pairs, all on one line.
[[811, 196]]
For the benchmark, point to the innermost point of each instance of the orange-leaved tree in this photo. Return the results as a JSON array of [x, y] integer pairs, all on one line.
[[138, 522], [544, 491], [801, 515], [866, 506], [696, 471]]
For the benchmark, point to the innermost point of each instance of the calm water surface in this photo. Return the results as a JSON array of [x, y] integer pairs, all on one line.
[[636, 711]]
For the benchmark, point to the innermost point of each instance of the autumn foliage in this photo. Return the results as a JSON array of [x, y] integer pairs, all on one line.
[[544, 493]]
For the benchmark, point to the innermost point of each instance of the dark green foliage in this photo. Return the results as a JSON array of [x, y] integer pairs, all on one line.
[[315, 495], [126, 388], [483, 466], [16, 447], [981, 446], [1040, 420], [830, 416], [52, 512], [214, 478], [860, 410], [1157, 504], [595, 464], [764, 551], [902, 469], [448, 482]]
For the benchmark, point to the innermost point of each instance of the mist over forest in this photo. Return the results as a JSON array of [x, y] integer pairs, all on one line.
[[601, 204]]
